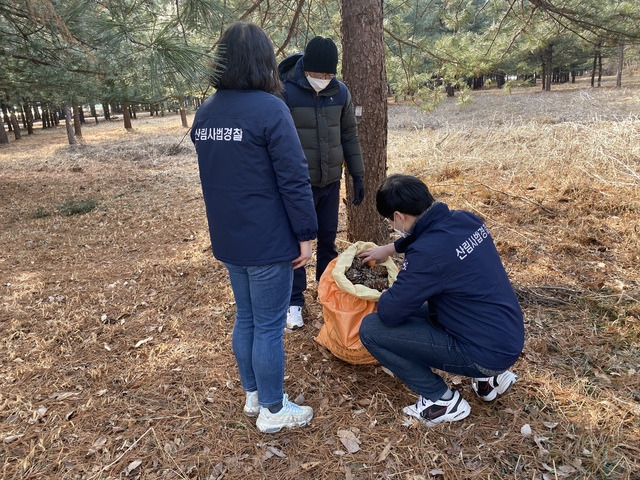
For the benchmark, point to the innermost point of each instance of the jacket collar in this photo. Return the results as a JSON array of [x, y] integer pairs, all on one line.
[[427, 218]]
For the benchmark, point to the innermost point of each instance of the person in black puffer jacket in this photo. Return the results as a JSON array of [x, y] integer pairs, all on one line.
[[324, 117]]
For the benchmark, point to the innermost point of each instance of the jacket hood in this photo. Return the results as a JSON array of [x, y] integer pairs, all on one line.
[[291, 69]]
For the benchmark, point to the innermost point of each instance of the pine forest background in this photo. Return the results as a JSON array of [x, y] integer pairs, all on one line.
[[116, 320]]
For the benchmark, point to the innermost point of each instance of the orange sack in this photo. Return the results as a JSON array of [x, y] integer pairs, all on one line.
[[344, 305]]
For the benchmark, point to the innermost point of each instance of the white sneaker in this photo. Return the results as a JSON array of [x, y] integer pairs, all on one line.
[[431, 413], [490, 388], [294, 318], [291, 415], [251, 405]]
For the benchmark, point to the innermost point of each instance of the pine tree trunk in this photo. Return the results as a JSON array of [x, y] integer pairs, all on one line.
[[7, 119], [183, 113], [15, 124], [599, 69], [549, 64], [106, 112], [363, 68], [46, 121], [595, 63], [69, 127], [28, 113], [77, 124], [94, 114], [620, 64], [4, 138], [127, 117]]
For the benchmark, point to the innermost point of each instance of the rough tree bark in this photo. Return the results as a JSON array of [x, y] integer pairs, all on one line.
[[4, 138], [15, 124], [77, 123], [548, 61], [363, 68], [67, 120], [620, 64], [183, 113], [126, 114]]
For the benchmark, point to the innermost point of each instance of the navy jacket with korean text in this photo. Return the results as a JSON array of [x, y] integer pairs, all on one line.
[[452, 263], [254, 176]]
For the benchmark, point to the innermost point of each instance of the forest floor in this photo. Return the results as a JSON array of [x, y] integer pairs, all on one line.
[[115, 319]]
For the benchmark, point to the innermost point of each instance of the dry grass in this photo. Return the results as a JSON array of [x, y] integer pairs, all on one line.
[[115, 323]]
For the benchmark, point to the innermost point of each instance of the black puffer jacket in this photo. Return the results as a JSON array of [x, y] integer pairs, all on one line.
[[325, 122]]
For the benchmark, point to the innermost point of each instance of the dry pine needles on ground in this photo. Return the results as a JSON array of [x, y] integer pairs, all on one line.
[[115, 321]]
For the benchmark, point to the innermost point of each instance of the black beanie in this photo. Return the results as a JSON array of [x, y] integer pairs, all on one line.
[[321, 55]]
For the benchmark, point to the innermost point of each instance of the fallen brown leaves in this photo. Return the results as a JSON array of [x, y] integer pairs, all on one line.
[[115, 324]]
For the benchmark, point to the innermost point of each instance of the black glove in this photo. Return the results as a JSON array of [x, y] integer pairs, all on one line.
[[358, 190]]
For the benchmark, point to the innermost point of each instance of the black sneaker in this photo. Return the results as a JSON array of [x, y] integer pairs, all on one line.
[[431, 413], [490, 388]]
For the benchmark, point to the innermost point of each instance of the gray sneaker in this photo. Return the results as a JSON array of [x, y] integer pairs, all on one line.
[[251, 405], [490, 388], [291, 415]]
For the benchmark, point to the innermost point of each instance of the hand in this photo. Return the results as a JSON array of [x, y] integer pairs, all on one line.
[[358, 190], [305, 255], [377, 254]]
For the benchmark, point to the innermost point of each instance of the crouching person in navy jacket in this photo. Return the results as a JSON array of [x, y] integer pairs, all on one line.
[[452, 307], [259, 204]]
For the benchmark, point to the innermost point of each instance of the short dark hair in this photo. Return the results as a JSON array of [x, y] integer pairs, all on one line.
[[245, 60], [403, 193]]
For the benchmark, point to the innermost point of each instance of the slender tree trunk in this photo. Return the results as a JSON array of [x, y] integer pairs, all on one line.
[[94, 114], [126, 113], [7, 119], [106, 112], [620, 64], [4, 138], [46, 120], [596, 53], [69, 127], [183, 113], [28, 113], [599, 69], [549, 64], [77, 124], [16, 125], [363, 66]]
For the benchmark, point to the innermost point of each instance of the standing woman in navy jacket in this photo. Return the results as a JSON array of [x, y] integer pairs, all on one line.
[[260, 211]]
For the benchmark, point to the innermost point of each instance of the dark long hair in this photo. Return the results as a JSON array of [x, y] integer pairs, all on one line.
[[246, 60]]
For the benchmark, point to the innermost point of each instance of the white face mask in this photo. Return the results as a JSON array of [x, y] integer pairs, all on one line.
[[318, 84], [402, 233]]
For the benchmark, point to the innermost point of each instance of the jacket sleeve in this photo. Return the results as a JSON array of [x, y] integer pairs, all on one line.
[[417, 281], [350, 140], [291, 172]]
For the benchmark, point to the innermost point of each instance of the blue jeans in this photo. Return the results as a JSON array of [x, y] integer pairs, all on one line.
[[327, 204], [412, 349], [262, 298]]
